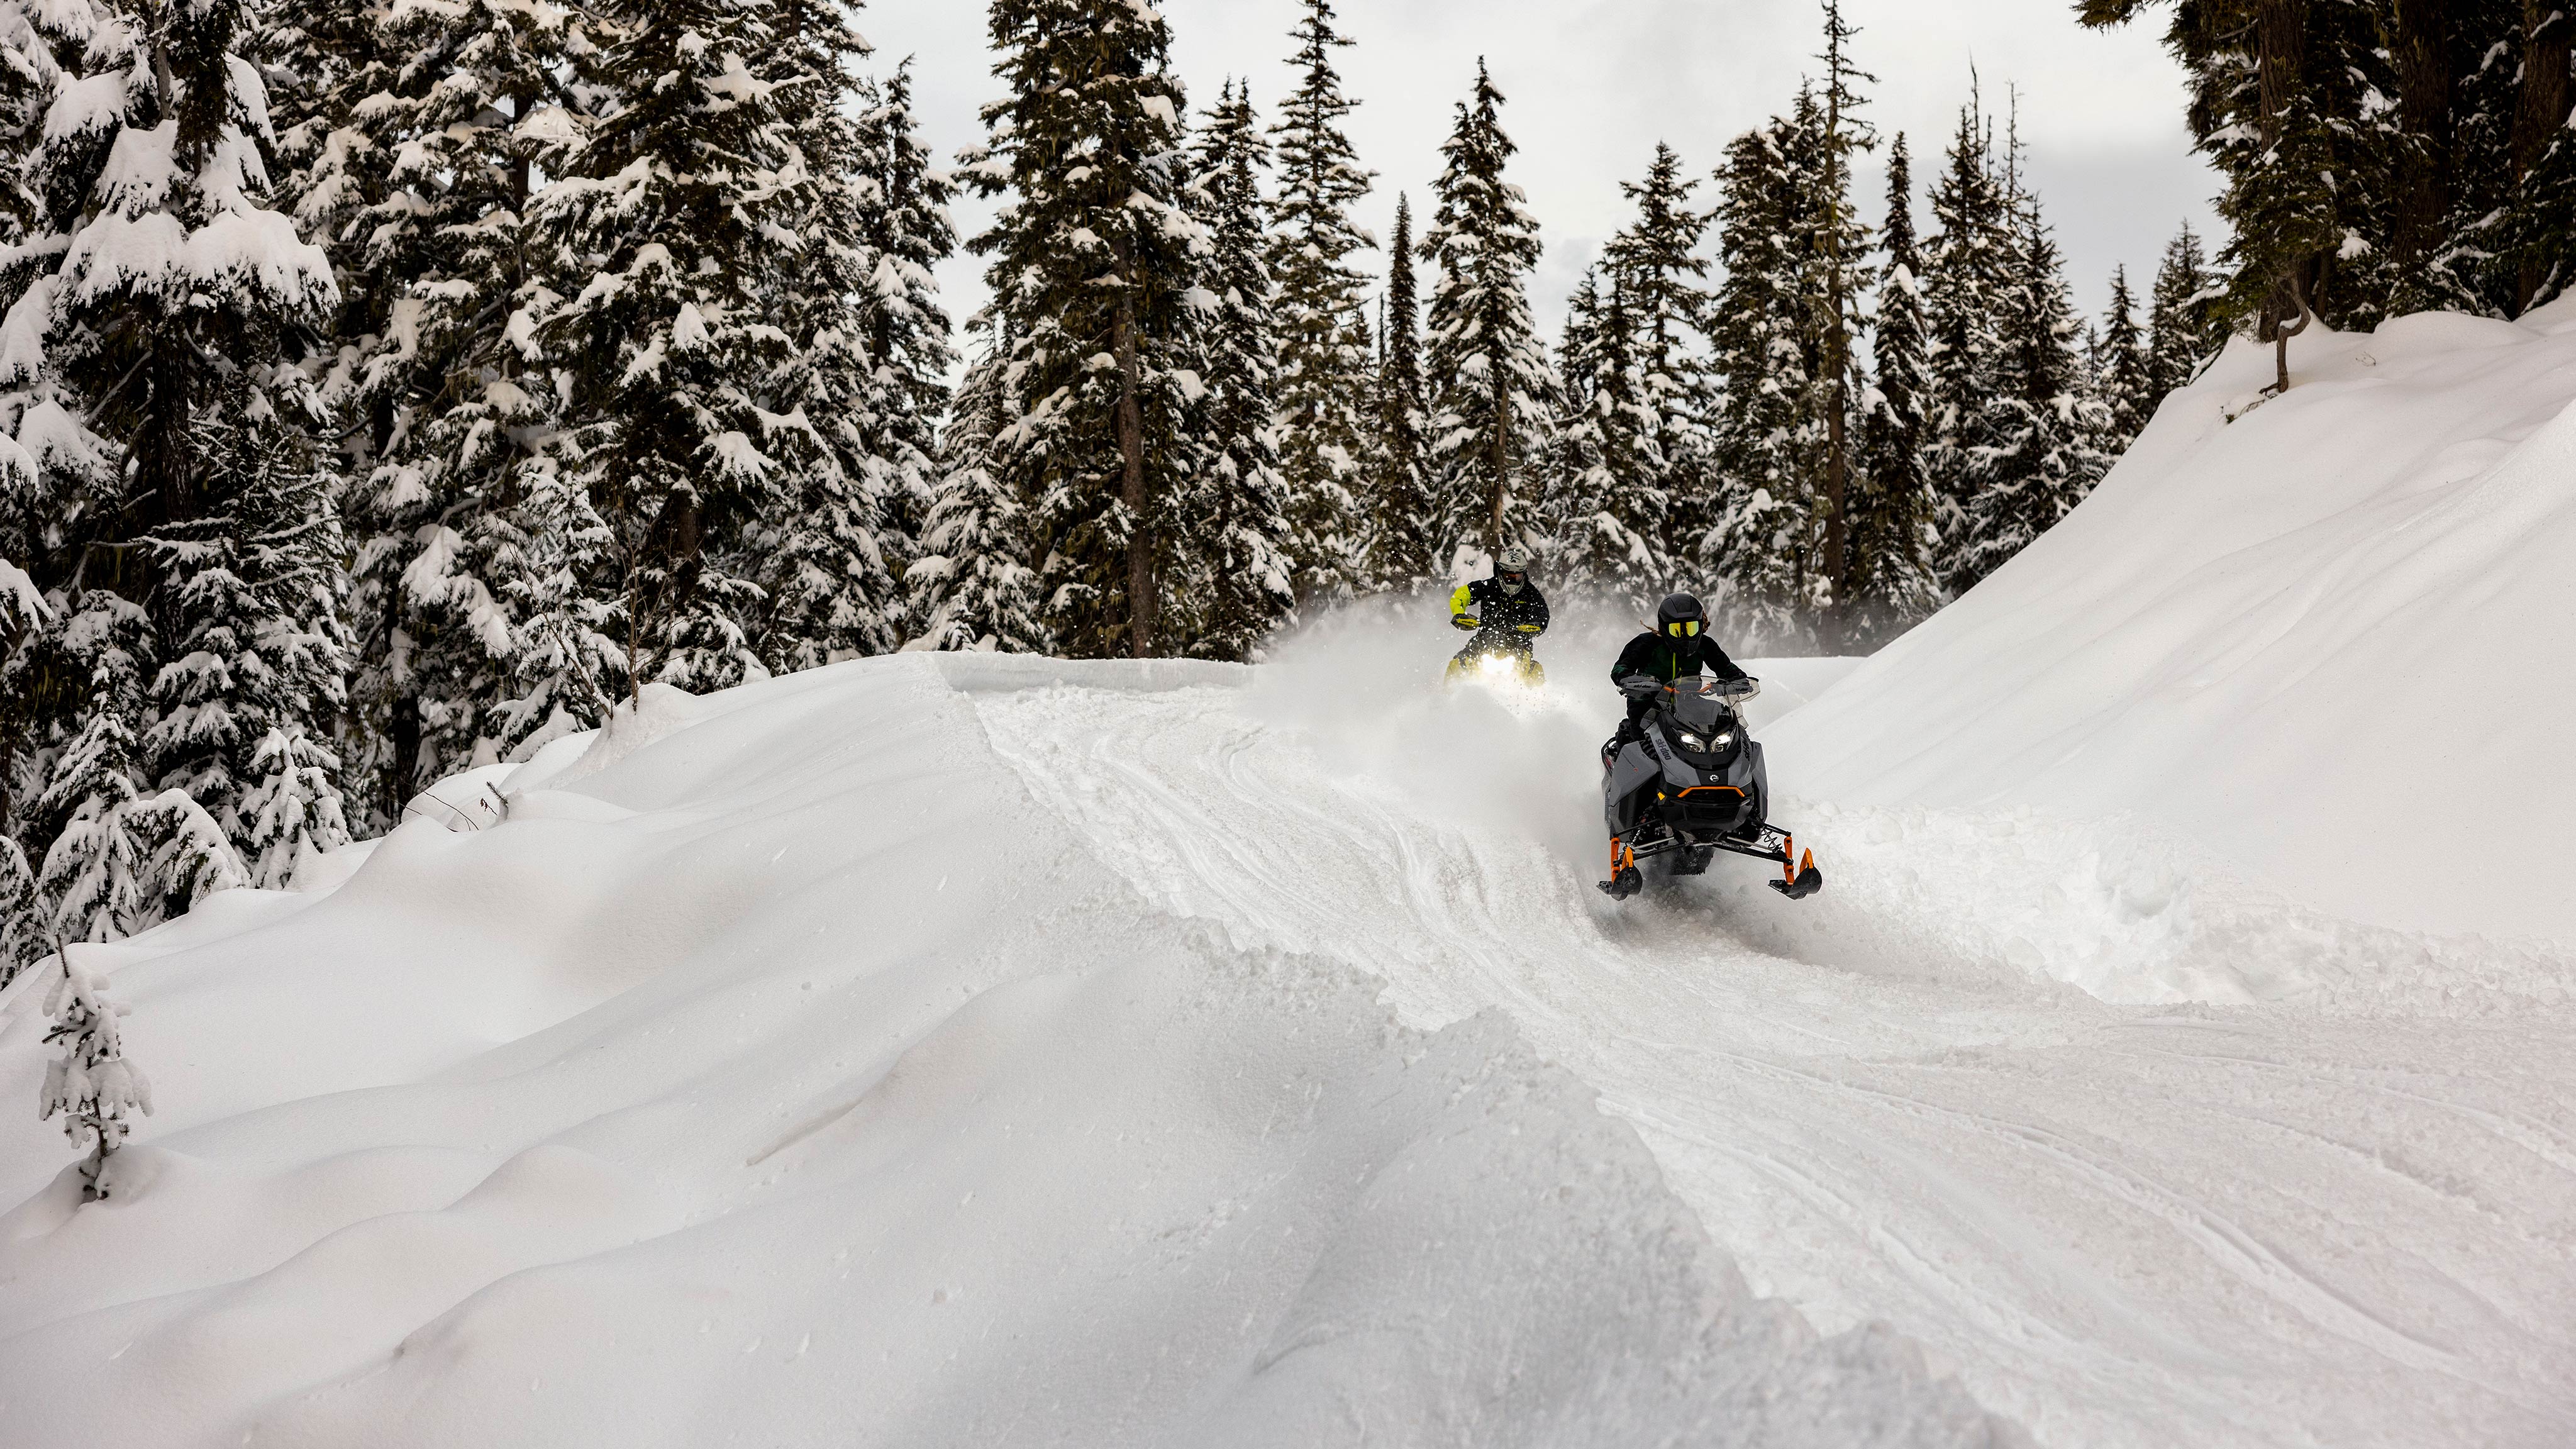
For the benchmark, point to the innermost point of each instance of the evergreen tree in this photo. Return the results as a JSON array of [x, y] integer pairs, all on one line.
[[1093, 267], [1661, 279], [569, 665], [1840, 279], [166, 335], [909, 337], [1486, 370], [1608, 509], [2124, 369], [1235, 530], [826, 556], [2043, 455], [673, 209], [1324, 381], [1404, 528], [91, 1084], [427, 181], [1765, 356], [1895, 579], [2180, 334], [1967, 269], [973, 586]]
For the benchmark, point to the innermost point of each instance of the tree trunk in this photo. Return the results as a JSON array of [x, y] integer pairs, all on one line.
[[1143, 594], [2542, 113], [2427, 65], [1502, 456]]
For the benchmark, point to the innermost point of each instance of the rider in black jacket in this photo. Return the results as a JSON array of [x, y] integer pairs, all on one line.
[[1504, 612], [1678, 648]]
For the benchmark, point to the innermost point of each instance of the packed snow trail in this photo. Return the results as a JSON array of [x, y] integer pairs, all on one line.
[[2267, 1224], [773, 1069]]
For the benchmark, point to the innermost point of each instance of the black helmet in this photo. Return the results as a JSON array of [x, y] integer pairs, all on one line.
[[1680, 616]]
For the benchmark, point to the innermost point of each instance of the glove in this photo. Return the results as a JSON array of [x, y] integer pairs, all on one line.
[[1531, 628], [1466, 623]]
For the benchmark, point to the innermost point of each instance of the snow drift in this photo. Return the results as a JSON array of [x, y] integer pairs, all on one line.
[[778, 1071], [2325, 640]]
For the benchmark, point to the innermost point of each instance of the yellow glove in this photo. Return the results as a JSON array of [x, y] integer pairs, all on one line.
[[1531, 628], [1463, 621]]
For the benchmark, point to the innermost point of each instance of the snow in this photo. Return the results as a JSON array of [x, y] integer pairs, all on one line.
[[781, 1069], [2324, 645], [972, 1048]]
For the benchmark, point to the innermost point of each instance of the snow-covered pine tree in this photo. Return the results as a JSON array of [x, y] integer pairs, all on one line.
[[1758, 546], [434, 160], [1661, 279], [1404, 534], [673, 212], [2123, 369], [2276, 87], [1840, 280], [1231, 547], [910, 339], [174, 317], [21, 923], [2180, 336], [973, 585], [825, 547], [1967, 267], [97, 1091], [1094, 263], [244, 712], [2043, 425], [1324, 382], [1895, 582], [1491, 390], [2539, 231], [122, 858], [568, 668], [1607, 511]]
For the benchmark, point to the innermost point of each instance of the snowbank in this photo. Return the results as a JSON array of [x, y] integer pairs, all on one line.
[[778, 1071], [2326, 647]]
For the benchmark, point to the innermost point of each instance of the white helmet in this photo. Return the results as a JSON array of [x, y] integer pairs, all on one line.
[[1514, 560]]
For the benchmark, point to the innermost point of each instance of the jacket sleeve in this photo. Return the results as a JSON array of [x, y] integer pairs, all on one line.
[[1534, 619], [1462, 606], [1635, 659], [1718, 664]]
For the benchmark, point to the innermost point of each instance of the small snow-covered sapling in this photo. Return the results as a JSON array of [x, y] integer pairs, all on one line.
[[92, 1084]]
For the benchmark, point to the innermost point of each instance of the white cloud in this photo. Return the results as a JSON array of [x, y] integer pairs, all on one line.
[[1593, 84]]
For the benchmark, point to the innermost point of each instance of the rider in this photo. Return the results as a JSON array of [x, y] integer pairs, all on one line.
[[1508, 602], [1676, 648]]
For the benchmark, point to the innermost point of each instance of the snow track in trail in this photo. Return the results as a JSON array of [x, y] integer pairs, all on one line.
[[2346, 1217]]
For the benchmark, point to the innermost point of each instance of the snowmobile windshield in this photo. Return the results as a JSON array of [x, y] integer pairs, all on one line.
[[1699, 705]]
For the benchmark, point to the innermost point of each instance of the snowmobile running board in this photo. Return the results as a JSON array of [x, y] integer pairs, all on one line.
[[1799, 877]]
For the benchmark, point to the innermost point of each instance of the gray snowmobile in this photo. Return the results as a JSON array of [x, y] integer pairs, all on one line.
[[1694, 787]]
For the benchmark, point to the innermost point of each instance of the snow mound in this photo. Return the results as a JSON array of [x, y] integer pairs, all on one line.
[[2323, 648], [777, 1070]]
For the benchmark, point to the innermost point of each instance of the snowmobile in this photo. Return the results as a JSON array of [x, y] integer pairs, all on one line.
[[1694, 787], [1497, 655]]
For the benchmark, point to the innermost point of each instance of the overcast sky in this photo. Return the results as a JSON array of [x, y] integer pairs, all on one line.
[[1592, 85]]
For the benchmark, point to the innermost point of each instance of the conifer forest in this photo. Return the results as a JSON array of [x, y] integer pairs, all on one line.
[[392, 388]]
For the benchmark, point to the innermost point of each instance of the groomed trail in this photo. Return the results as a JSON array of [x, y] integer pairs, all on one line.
[[2345, 1216]]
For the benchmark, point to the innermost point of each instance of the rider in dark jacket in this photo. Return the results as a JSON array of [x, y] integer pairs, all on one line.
[[1678, 648]]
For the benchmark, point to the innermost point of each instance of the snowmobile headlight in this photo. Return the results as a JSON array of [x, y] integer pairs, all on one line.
[[1721, 740], [1692, 742]]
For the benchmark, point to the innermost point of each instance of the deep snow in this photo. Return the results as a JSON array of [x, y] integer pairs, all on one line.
[[972, 1050], [2332, 643], [779, 1071]]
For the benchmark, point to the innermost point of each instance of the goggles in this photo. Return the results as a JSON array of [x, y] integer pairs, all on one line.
[[1514, 576], [1683, 628]]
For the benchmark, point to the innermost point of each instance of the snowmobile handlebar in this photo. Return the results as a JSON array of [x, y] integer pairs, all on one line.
[[1646, 686]]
